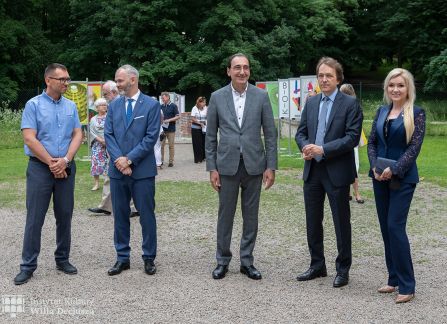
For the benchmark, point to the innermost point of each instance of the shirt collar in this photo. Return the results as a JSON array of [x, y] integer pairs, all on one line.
[[134, 97], [331, 96], [237, 92], [46, 96]]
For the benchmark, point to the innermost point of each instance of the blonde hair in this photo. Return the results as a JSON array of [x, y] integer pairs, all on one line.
[[348, 89], [408, 107]]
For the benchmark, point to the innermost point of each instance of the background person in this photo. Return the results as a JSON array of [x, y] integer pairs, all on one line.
[[329, 130], [171, 115], [348, 89], [110, 93], [198, 129], [397, 133], [52, 135], [239, 158], [99, 159]]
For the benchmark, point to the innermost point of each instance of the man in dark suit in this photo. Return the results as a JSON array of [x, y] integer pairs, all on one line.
[[131, 131], [328, 132], [239, 158]]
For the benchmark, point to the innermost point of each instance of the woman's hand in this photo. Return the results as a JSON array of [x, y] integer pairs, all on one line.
[[385, 176]]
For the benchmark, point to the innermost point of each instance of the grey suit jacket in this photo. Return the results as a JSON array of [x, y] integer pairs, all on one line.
[[342, 135], [223, 151]]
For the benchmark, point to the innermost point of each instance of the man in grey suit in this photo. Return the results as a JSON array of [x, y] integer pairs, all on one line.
[[329, 130], [239, 158]]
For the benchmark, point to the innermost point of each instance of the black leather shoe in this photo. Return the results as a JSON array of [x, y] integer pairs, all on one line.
[[23, 277], [134, 214], [118, 268], [220, 271], [99, 211], [251, 272], [66, 267], [341, 279], [149, 267], [312, 273]]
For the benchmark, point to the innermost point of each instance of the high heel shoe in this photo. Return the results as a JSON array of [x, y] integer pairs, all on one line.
[[400, 299], [386, 289]]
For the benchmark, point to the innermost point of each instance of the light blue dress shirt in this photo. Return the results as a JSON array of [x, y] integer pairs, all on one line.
[[330, 103], [54, 122]]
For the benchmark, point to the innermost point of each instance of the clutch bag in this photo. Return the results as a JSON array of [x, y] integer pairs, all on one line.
[[382, 164]]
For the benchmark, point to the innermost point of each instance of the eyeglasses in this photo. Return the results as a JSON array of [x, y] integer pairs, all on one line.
[[61, 80]]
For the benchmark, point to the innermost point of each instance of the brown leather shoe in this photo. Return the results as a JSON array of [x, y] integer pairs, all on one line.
[[386, 289], [404, 298]]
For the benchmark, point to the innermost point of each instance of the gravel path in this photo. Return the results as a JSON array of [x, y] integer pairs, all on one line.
[[183, 291]]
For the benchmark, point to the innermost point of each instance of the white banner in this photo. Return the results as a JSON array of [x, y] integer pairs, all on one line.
[[283, 98]]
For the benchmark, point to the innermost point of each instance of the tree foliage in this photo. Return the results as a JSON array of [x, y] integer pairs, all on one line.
[[183, 45]]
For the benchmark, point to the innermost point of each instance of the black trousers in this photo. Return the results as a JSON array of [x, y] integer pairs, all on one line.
[[198, 144], [316, 188]]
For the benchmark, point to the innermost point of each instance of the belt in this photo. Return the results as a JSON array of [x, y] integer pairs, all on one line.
[[34, 159]]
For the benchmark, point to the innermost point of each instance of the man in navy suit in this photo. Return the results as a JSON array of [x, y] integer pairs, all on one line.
[[329, 130], [131, 131]]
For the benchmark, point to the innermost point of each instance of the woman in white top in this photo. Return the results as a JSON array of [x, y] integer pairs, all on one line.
[[348, 89], [198, 129]]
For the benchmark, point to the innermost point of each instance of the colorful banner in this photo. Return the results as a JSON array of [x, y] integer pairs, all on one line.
[[295, 98], [272, 89], [94, 92], [309, 84], [84, 94], [77, 92]]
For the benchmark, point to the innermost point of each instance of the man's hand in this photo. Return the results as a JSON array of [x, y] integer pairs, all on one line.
[[57, 166], [121, 163], [311, 150], [61, 175], [127, 171], [215, 180], [268, 178]]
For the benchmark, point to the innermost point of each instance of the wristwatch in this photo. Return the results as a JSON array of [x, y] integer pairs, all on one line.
[[129, 162], [67, 161]]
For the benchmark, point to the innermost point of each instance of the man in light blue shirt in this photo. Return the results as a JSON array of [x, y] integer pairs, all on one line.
[[52, 135]]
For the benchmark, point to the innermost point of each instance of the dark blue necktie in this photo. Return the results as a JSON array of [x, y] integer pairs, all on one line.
[[129, 111], [321, 129]]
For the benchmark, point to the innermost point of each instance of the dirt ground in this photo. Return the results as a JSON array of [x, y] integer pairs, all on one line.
[[183, 291]]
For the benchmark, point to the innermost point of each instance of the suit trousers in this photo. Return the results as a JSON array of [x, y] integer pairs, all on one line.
[[106, 200], [170, 136], [315, 189], [392, 210], [228, 195], [40, 186], [143, 193]]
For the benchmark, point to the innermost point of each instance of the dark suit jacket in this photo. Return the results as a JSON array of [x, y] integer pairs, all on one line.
[[223, 151], [343, 130], [136, 140], [396, 147]]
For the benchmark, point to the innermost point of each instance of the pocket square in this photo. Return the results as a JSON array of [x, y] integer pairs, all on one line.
[[382, 164], [138, 117]]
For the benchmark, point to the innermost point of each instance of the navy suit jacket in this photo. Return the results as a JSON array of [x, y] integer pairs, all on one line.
[[395, 147], [136, 140], [342, 135]]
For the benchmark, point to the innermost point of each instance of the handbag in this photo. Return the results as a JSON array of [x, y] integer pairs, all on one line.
[[382, 164], [162, 136]]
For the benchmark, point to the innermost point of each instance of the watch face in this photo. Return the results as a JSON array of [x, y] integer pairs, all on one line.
[[129, 162]]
